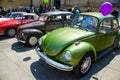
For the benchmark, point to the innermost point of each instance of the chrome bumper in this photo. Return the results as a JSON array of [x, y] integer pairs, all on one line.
[[21, 41], [52, 62]]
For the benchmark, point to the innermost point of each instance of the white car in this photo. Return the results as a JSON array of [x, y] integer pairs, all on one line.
[[16, 15]]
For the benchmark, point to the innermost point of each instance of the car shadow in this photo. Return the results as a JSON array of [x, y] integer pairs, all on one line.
[[42, 71], [19, 47], [3, 37]]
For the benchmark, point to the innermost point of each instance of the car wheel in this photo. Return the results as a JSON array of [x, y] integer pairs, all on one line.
[[11, 32], [84, 66], [32, 40]]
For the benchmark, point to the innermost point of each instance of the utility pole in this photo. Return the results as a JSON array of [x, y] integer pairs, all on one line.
[[31, 4]]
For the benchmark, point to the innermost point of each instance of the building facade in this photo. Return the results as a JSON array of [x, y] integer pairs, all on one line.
[[57, 3], [19, 3]]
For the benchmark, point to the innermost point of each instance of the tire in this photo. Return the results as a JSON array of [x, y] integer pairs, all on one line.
[[85, 65], [32, 40], [11, 32]]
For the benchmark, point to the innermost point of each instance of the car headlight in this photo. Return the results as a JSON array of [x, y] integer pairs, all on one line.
[[67, 56], [40, 41]]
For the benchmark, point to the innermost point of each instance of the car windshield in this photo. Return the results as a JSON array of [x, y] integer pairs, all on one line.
[[16, 15], [43, 18], [88, 23]]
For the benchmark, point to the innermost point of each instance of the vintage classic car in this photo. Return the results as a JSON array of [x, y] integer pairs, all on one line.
[[29, 33], [12, 15], [9, 27], [77, 46]]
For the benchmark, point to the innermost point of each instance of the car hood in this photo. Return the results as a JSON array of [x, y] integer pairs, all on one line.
[[9, 23], [31, 25], [56, 41]]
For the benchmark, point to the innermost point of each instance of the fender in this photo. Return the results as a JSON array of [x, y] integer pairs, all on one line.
[[79, 50], [32, 32]]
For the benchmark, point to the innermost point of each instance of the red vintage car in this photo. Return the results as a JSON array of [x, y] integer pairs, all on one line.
[[9, 27]]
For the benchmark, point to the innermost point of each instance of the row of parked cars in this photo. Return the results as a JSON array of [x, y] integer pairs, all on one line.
[[9, 24], [29, 27], [79, 42]]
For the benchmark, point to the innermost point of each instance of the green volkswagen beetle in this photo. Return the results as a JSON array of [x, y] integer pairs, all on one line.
[[77, 46]]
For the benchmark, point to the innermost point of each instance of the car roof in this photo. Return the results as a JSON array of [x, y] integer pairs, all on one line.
[[24, 13], [29, 14], [97, 14], [56, 13], [18, 12]]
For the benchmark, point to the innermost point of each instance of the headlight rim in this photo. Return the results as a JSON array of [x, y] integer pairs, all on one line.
[[40, 40], [67, 56]]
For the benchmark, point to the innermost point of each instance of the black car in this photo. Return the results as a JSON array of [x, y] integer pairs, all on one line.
[[29, 33]]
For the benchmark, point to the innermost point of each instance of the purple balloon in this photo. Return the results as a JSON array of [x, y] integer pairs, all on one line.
[[106, 8]]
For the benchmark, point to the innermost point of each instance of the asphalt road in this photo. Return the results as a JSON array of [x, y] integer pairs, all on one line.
[[20, 62]]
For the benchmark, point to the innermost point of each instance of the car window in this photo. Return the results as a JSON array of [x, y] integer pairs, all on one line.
[[67, 17], [115, 24], [106, 25], [16, 15], [28, 17], [43, 18], [56, 18], [88, 23]]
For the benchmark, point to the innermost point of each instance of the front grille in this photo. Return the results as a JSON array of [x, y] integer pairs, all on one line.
[[19, 34]]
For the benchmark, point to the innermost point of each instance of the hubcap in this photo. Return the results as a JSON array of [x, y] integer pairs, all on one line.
[[86, 65], [33, 40], [11, 32]]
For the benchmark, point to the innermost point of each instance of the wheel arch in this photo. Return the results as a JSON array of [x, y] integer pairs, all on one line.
[[32, 32], [78, 51], [10, 28]]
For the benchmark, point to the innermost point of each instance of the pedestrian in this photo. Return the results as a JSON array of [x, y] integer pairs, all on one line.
[[53, 9], [89, 9], [76, 10], [63, 8], [41, 9], [115, 12], [76, 14], [32, 10], [46, 8]]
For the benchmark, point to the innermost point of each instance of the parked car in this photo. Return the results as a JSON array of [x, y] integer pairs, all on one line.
[[29, 33], [12, 15], [10, 27], [77, 46]]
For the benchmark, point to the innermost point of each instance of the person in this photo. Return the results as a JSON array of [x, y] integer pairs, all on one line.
[[32, 10], [46, 8], [76, 10], [115, 12], [88, 9], [63, 8], [53, 9], [76, 14]]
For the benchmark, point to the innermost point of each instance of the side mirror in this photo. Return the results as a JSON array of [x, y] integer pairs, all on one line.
[[102, 31]]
